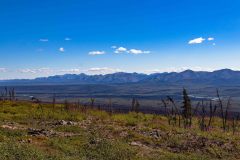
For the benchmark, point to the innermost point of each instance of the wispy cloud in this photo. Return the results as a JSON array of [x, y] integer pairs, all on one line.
[[96, 53], [27, 71], [210, 38], [74, 70], [114, 47], [43, 40], [138, 51], [44, 70], [3, 70], [35, 71], [61, 49], [103, 70]]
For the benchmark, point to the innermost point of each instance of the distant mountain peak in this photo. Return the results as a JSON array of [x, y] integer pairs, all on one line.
[[225, 70], [188, 70], [187, 76]]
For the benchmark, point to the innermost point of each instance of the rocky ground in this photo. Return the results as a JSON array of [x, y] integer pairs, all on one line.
[[27, 132]]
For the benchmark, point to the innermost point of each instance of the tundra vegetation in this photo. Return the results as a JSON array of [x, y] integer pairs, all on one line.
[[185, 130]]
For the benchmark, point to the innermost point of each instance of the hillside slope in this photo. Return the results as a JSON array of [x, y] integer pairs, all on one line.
[[32, 131]]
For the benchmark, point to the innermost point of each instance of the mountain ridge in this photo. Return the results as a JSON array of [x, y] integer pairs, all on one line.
[[187, 76]]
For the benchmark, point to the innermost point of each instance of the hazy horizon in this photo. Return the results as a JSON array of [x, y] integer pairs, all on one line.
[[147, 73]]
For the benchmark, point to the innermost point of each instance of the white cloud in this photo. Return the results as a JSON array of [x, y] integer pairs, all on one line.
[[3, 70], [131, 51], [210, 38], [137, 51], [61, 49], [27, 71], [96, 53], [43, 40], [196, 41], [44, 70], [67, 39], [35, 71], [103, 70], [121, 50], [114, 47], [74, 70]]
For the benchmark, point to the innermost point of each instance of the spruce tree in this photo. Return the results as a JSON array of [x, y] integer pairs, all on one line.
[[186, 109]]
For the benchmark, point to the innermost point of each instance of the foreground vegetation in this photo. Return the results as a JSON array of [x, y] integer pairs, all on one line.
[[64, 131]]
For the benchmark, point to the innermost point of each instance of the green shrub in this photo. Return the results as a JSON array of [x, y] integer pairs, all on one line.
[[12, 151], [108, 150]]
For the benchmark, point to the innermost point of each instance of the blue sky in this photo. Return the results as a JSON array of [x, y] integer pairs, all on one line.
[[48, 37]]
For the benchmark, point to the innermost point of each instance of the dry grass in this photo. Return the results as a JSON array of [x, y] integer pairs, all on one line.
[[96, 134]]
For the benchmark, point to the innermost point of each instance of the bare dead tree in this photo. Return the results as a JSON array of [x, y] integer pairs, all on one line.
[[66, 105], [13, 94], [137, 106], [54, 102], [227, 113], [92, 100], [221, 109], [10, 95], [167, 114], [212, 111], [195, 111], [202, 120], [176, 115], [78, 104], [6, 93], [165, 107], [133, 105], [110, 106]]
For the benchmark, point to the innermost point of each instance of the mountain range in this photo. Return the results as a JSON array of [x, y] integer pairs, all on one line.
[[224, 76]]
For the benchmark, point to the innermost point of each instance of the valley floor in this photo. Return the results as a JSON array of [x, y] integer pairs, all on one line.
[[33, 131]]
